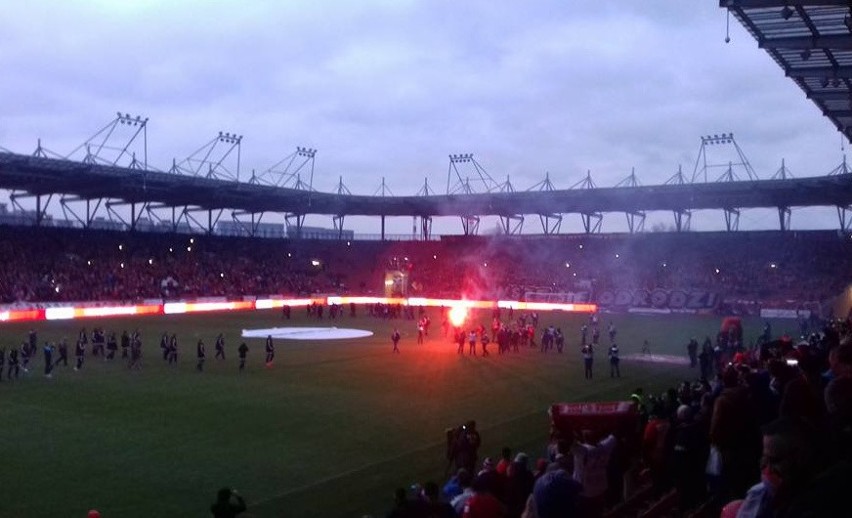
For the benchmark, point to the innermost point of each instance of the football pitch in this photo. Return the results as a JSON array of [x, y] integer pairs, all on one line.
[[330, 430]]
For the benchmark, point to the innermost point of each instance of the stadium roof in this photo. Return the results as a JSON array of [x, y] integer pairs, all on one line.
[[45, 176], [812, 42]]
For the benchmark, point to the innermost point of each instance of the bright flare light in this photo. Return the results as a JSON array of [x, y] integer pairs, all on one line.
[[458, 314]]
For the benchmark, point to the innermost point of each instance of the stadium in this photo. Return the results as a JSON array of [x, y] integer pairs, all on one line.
[[180, 337]]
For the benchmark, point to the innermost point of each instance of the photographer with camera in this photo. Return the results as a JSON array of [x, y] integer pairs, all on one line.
[[224, 507], [463, 446]]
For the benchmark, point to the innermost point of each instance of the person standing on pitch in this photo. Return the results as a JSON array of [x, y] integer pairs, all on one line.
[[63, 353], [646, 347], [220, 347], [242, 350], [48, 360], [588, 359], [164, 346], [136, 351], [270, 351], [471, 340], [395, 339], [614, 371], [83, 337], [125, 343], [112, 345], [173, 349], [2, 361], [25, 355], [202, 355], [13, 364], [80, 353]]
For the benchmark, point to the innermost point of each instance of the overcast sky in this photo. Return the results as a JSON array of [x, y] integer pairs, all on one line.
[[389, 88]]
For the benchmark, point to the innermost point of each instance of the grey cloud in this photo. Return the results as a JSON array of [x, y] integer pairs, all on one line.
[[389, 88]]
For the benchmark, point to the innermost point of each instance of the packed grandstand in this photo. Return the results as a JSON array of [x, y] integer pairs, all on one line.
[[737, 273]]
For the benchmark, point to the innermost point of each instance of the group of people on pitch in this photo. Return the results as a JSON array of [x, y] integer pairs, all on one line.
[[105, 345]]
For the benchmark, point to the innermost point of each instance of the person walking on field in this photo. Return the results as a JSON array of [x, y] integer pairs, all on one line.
[[270, 351], [220, 347], [201, 353], [173, 350], [80, 353], [242, 350], [48, 359], [588, 359], [395, 339], [63, 353], [614, 371]]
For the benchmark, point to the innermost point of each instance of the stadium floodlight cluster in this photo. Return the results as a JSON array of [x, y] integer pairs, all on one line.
[[179, 308], [230, 139], [304, 151], [718, 139], [467, 157], [130, 121]]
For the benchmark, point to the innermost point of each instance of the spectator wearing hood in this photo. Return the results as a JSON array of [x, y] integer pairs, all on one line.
[[555, 495]]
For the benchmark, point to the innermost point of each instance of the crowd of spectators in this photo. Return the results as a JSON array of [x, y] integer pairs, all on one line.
[[772, 269], [52, 264], [768, 435], [747, 269]]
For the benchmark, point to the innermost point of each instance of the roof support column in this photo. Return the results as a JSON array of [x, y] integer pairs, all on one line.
[[732, 219], [338, 225], [470, 225], [550, 223], [843, 213], [683, 219], [300, 221], [592, 222], [784, 214], [426, 228]]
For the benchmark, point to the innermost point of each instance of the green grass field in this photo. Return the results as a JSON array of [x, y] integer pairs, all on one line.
[[331, 430]]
